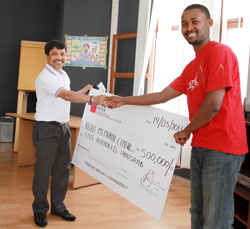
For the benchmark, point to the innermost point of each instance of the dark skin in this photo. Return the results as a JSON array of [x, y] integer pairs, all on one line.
[[196, 30]]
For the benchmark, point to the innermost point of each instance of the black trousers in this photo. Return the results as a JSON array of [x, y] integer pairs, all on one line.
[[53, 151]]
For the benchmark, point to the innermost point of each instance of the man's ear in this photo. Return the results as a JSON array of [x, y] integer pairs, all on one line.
[[210, 22]]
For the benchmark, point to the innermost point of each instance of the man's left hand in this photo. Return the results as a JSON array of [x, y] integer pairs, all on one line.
[[181, 137]]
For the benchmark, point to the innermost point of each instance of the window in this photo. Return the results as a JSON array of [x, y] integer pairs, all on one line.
[[236, 34]]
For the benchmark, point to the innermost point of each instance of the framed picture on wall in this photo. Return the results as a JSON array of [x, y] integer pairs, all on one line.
[[86, 51]]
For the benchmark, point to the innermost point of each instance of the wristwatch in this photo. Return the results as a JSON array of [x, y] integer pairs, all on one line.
[[91, 99]]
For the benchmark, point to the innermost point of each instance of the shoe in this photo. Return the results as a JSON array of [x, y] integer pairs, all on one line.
[[40, 219], [64, 214]]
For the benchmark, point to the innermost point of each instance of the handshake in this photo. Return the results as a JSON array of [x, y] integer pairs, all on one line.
[[108, 101], [103, 100]]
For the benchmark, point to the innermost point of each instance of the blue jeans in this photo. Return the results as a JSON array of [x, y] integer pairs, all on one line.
[[213, 178]]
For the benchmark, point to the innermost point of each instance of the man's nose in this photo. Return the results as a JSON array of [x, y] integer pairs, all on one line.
[[189, 26], [58, 57]]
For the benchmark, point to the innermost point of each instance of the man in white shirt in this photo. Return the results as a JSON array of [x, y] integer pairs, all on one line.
[[51, 133]]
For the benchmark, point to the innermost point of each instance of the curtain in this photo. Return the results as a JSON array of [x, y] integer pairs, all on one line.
[[145, 36]]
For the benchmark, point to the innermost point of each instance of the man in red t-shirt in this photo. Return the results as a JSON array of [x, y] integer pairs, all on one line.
[[219, 144]]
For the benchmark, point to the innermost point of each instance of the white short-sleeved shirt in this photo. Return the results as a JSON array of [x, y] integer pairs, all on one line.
[[49, 107]]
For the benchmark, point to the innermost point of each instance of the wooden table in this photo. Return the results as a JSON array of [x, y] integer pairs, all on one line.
[[26, 150]]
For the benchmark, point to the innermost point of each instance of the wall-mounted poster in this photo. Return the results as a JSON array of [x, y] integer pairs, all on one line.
[[85, 51]]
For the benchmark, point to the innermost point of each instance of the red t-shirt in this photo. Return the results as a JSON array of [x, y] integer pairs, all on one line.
[[215, 67]]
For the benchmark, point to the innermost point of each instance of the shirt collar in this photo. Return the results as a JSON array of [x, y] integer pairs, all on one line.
[[52, 70], [204, 48]]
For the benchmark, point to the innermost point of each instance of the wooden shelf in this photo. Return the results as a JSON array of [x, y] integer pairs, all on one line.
[[243, 191], [242, 206], [116, 75]]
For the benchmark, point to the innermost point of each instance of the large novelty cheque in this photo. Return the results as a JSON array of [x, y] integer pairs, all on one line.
[[131, 150]]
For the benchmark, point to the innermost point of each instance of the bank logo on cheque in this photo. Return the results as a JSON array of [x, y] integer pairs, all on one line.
[[94, 108], [102, 111]]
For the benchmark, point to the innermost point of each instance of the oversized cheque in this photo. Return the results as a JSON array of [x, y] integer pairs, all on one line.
[[131, 150]]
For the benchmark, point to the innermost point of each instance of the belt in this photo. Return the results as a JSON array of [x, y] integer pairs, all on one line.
[[54, 123]]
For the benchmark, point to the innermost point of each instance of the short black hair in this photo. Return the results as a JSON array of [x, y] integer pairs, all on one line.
[[54, 43], [202, 8]]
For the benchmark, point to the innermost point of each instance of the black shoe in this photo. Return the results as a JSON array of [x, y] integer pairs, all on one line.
[[64, 214], [40, 219]]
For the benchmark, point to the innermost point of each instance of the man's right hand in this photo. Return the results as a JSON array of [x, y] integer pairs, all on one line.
[[115, 101], [100, 100]]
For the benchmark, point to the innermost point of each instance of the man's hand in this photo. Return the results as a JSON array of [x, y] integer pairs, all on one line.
[[101, 100], [86, 88], [115, 101], [206, 112], [181, 137]]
